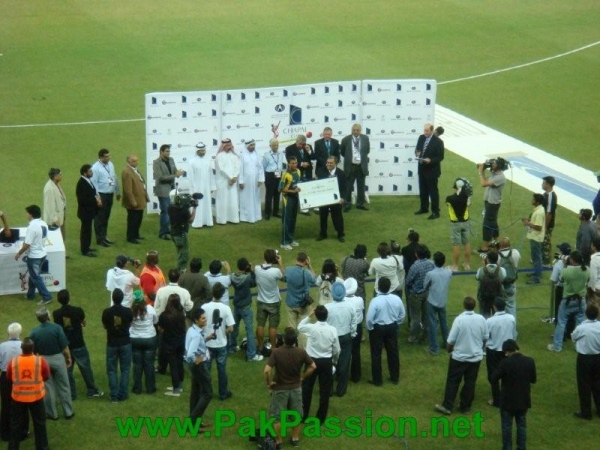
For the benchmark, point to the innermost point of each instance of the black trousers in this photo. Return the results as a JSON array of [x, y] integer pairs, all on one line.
[[343, 365], [336, 216], [271, 194], [134, 222], [85, 235], [379, 337], [5, 410], [588, 383], [102, 216], [492, 361], [428, 188], [323, 373], [457, 370], [355, 174], [201, 393], [355, 367], [19, 414], [490, 221]]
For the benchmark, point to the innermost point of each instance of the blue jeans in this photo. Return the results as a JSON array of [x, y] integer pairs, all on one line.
[[220, 355], [506, 419], [81, 357], [163, 204], [246, 315], [121, 356], [536, 257], [34, 266], [143, 355], [435, 314], [575, 308]]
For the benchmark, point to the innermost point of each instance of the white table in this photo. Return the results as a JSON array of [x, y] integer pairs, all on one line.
[[14, 278]]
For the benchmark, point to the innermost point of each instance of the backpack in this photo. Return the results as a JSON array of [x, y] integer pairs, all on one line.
[[490, 287], [507, 263]]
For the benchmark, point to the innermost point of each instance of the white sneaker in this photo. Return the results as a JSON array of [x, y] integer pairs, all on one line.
[[552, 348], [257, 357], [286, 247], [295, 244], [170, 388], [173, 393]]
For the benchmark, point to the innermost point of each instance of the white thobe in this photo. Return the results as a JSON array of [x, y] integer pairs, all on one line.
[[227, 200], [202, 180], [251, 173]]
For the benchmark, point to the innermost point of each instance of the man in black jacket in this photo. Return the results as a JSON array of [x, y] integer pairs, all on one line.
[[88, 202], [517, 373], [430, 152], [335, 208], [324, 148]]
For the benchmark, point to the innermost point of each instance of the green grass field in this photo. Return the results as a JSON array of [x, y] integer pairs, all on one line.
[[78, 61]]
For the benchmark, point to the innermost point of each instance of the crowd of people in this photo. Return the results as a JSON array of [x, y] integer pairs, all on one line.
[[156, 324]]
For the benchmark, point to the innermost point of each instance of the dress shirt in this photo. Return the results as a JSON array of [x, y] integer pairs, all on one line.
[[468, 335], [594, 282], [342, 316], [359, 306], [104, 178], [437, 282], [322, 339], [385, 309], [195, 345], [501, 326], [11, 348], [557, 268], [587, 337], [273, 162], [415, 278]]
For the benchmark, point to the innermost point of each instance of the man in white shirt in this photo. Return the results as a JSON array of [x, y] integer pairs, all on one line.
[[465, 344], [202, 181], [120, 277], [594, 282], [324, 349], [342, 316], [215, 276], [501, 327], [220, 321], [358, 303], [268, 307], [37, 232], [163, 294]]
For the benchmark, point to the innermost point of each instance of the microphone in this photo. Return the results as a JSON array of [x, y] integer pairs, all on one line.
[[216, 319]]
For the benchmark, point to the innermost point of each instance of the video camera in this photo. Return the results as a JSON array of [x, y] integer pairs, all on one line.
[[134, 262], [501, 163], [187, 200]]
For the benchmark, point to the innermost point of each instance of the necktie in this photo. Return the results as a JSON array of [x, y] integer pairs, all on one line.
[[328, 145]]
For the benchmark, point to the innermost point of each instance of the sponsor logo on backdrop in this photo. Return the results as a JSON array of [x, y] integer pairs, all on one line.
[[280, 108], [275, 129], [183, 99], [383, 90], [295, 115], [256, 95]]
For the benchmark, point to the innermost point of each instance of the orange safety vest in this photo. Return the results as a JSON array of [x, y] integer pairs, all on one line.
[[28, 384], [159, 281]]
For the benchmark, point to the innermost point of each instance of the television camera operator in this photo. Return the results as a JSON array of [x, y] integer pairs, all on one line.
[[494, 185], [182, 212]]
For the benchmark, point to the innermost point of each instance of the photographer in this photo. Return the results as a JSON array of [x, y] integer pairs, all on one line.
[[182, 212], [560, 262], [494, 185], [299, 278], [575, 277], [120, 277]]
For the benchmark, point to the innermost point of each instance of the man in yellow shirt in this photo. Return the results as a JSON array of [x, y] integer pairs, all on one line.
[[536, 225]]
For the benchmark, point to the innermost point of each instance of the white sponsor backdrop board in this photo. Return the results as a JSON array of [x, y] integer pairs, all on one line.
[[391, 112]]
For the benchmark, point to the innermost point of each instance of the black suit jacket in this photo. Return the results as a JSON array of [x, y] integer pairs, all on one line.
[[341, 179], [435, 152], [292, 150], [346, 153], [320, 155], [86, 200], [517, 373]]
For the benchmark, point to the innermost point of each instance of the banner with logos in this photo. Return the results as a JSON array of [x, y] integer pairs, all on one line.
[[392, 113]]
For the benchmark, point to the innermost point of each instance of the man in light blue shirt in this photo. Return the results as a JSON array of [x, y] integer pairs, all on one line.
[[501, 327], [465, 343], [106, 182], [437, 283], [385, 313], [274, 164], [197, 357]]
